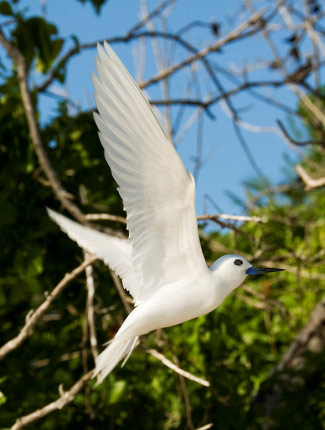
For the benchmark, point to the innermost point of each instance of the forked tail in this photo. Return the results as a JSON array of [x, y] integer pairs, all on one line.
[[118, 349]]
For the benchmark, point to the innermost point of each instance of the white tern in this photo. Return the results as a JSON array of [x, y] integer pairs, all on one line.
[[162, 264]]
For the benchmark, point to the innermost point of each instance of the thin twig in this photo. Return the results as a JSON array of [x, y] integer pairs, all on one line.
[[309, 104], [90, 308], [148, 16], [232, 217], [105, 217], [230, 37], [121, 291], [186, 397], [33, 127], [34, 316], [206, 427], [66, 398], [177, 369], [295, 142], [310, 183]]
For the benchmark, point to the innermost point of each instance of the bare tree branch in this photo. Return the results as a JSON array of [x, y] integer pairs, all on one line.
[[232, 218], [206, 427], [312, 339], [34, 316], [186, 397], [310, 183], [149, 16], [55, 182], [295, 142], [66, 398], [105, 217], [123, 295], [230, 37], [90, 308], [177, 369]]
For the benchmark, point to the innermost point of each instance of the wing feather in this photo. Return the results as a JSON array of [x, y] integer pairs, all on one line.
[[157, 192], [115, 252]]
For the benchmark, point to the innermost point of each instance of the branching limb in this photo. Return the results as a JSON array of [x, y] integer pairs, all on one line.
[[295, 142], [230, 37], [308, 181], [66, 398], [177, 369], [34, 316], [33, 127]]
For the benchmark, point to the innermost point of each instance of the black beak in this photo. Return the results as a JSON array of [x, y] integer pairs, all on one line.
[[261, 270]]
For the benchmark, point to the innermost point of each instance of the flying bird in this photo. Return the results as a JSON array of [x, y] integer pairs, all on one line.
[[161, 264]]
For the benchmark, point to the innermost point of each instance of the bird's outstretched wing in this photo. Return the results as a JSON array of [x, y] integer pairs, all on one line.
[[157, 192], [115, 252]]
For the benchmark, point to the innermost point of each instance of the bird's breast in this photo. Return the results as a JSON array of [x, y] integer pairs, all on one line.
[[182, 301]]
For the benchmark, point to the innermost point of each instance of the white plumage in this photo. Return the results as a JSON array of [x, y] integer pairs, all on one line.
[[162, 264]]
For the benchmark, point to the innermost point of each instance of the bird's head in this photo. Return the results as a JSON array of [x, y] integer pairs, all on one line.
[[232, 269]]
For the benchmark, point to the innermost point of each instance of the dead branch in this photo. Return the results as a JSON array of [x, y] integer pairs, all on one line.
[[186, 397], [113, 40], [310, 183], [230, 37], [206, 427], [149, 16], [33, 127], [34, 316], [223, 224], [295, 142], [90, 284], [309, 104], [123, 295], [243, 218], [105, 217], [177, 369], [310, 339], [66, 398]]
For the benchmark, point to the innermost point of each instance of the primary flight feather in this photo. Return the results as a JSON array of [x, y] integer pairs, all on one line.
[[161, 264]]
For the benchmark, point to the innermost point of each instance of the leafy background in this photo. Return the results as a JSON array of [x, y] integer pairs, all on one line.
[[234, 348]]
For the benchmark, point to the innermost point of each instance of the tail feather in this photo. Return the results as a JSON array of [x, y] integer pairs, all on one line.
[[117, 349], [133, 345]]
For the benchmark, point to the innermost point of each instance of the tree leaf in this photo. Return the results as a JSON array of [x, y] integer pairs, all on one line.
[[5, 8]]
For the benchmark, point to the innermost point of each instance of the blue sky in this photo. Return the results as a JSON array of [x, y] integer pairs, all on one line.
[[227, 166]]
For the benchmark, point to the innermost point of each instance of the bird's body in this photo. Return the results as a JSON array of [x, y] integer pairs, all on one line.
[[176, 303], [162, 264]]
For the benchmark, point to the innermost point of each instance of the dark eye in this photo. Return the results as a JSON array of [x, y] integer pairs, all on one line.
[[238, 262]]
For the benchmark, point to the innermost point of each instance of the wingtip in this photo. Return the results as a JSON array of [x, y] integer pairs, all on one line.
[[101, 53], [109, 50], [50, 212], [99, 47], [55, 216], [107, 46]]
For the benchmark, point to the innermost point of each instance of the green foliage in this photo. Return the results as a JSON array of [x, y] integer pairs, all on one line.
[[5, 8], [234, 347], [36, 38]]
